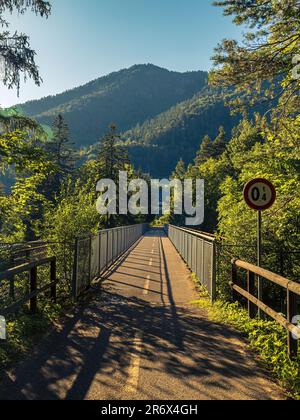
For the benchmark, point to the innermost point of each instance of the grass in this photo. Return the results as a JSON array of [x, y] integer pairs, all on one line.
[[25, 331], [266, 338]]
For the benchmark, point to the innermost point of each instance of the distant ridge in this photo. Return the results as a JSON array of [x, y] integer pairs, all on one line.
[[127, 98]]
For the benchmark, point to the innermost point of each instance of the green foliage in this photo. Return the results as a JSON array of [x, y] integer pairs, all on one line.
[[161, 221], [15, 49], [180, 171], [26, 330], [61, 152], [112, 156], [73, 216], [265, 61], [257, 149], [212, 148], [21, 211], [276, 159]]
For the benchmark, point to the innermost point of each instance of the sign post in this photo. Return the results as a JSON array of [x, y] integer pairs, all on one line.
[[260, 195]]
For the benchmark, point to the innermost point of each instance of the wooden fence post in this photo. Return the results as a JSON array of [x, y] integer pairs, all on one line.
[[33, 288], [234, 279], [12, 287], [53, 279], [251, 290]]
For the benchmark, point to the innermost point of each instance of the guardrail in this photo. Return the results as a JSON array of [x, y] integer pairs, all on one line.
[[292, 291], [199, 252], [94, 254], [31, 297]]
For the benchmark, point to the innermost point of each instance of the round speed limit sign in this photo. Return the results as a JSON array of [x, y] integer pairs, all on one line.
[[260, 194]]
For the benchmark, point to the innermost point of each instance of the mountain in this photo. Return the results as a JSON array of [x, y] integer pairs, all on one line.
[[126, 98], [162, 115], [159, 143]]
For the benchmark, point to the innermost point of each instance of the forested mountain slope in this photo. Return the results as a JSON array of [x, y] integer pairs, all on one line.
[[127, 97], [159, 143]]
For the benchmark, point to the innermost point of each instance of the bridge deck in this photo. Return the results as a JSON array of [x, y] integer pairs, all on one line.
[[140, 338]]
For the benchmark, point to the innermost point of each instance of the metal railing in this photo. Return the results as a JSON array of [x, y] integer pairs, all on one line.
[[94, 254], [292, 293], [199, 252]]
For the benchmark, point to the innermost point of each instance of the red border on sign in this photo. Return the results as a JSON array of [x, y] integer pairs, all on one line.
[[250, 185]]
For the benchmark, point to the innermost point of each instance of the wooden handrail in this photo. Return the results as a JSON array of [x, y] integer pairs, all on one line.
[[273, 314], [268, 275], [25, 267], [293, 292], [33, 279], [14, 307]]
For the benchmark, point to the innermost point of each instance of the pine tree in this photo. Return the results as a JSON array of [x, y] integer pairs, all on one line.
[[112, 156], [180, 170], [61, 147], [220, 142], [112, 159], [62, 154], [206, 151]]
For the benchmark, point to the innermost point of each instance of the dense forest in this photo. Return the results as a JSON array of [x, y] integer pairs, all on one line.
[[156, 145]]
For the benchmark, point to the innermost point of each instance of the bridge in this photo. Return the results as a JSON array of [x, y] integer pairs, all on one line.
[[137, 333]]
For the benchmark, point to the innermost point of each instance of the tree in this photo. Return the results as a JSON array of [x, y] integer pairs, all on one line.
[[112, 156], [180, 171], [220, 142], [206, 151], [62, 154], [15, 50], [11, 120], [61, 148], [22, 210], [266, 64]]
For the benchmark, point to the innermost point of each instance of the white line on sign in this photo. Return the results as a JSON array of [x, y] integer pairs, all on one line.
[[134, 367], [151, 262]]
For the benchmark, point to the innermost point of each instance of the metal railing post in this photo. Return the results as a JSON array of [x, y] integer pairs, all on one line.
[[75, 271], [214, 273]]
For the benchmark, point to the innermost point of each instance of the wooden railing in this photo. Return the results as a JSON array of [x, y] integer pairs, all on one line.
[[31, 268], [292, 290]]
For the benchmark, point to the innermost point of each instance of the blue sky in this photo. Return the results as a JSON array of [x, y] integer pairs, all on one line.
[[85, 40]]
